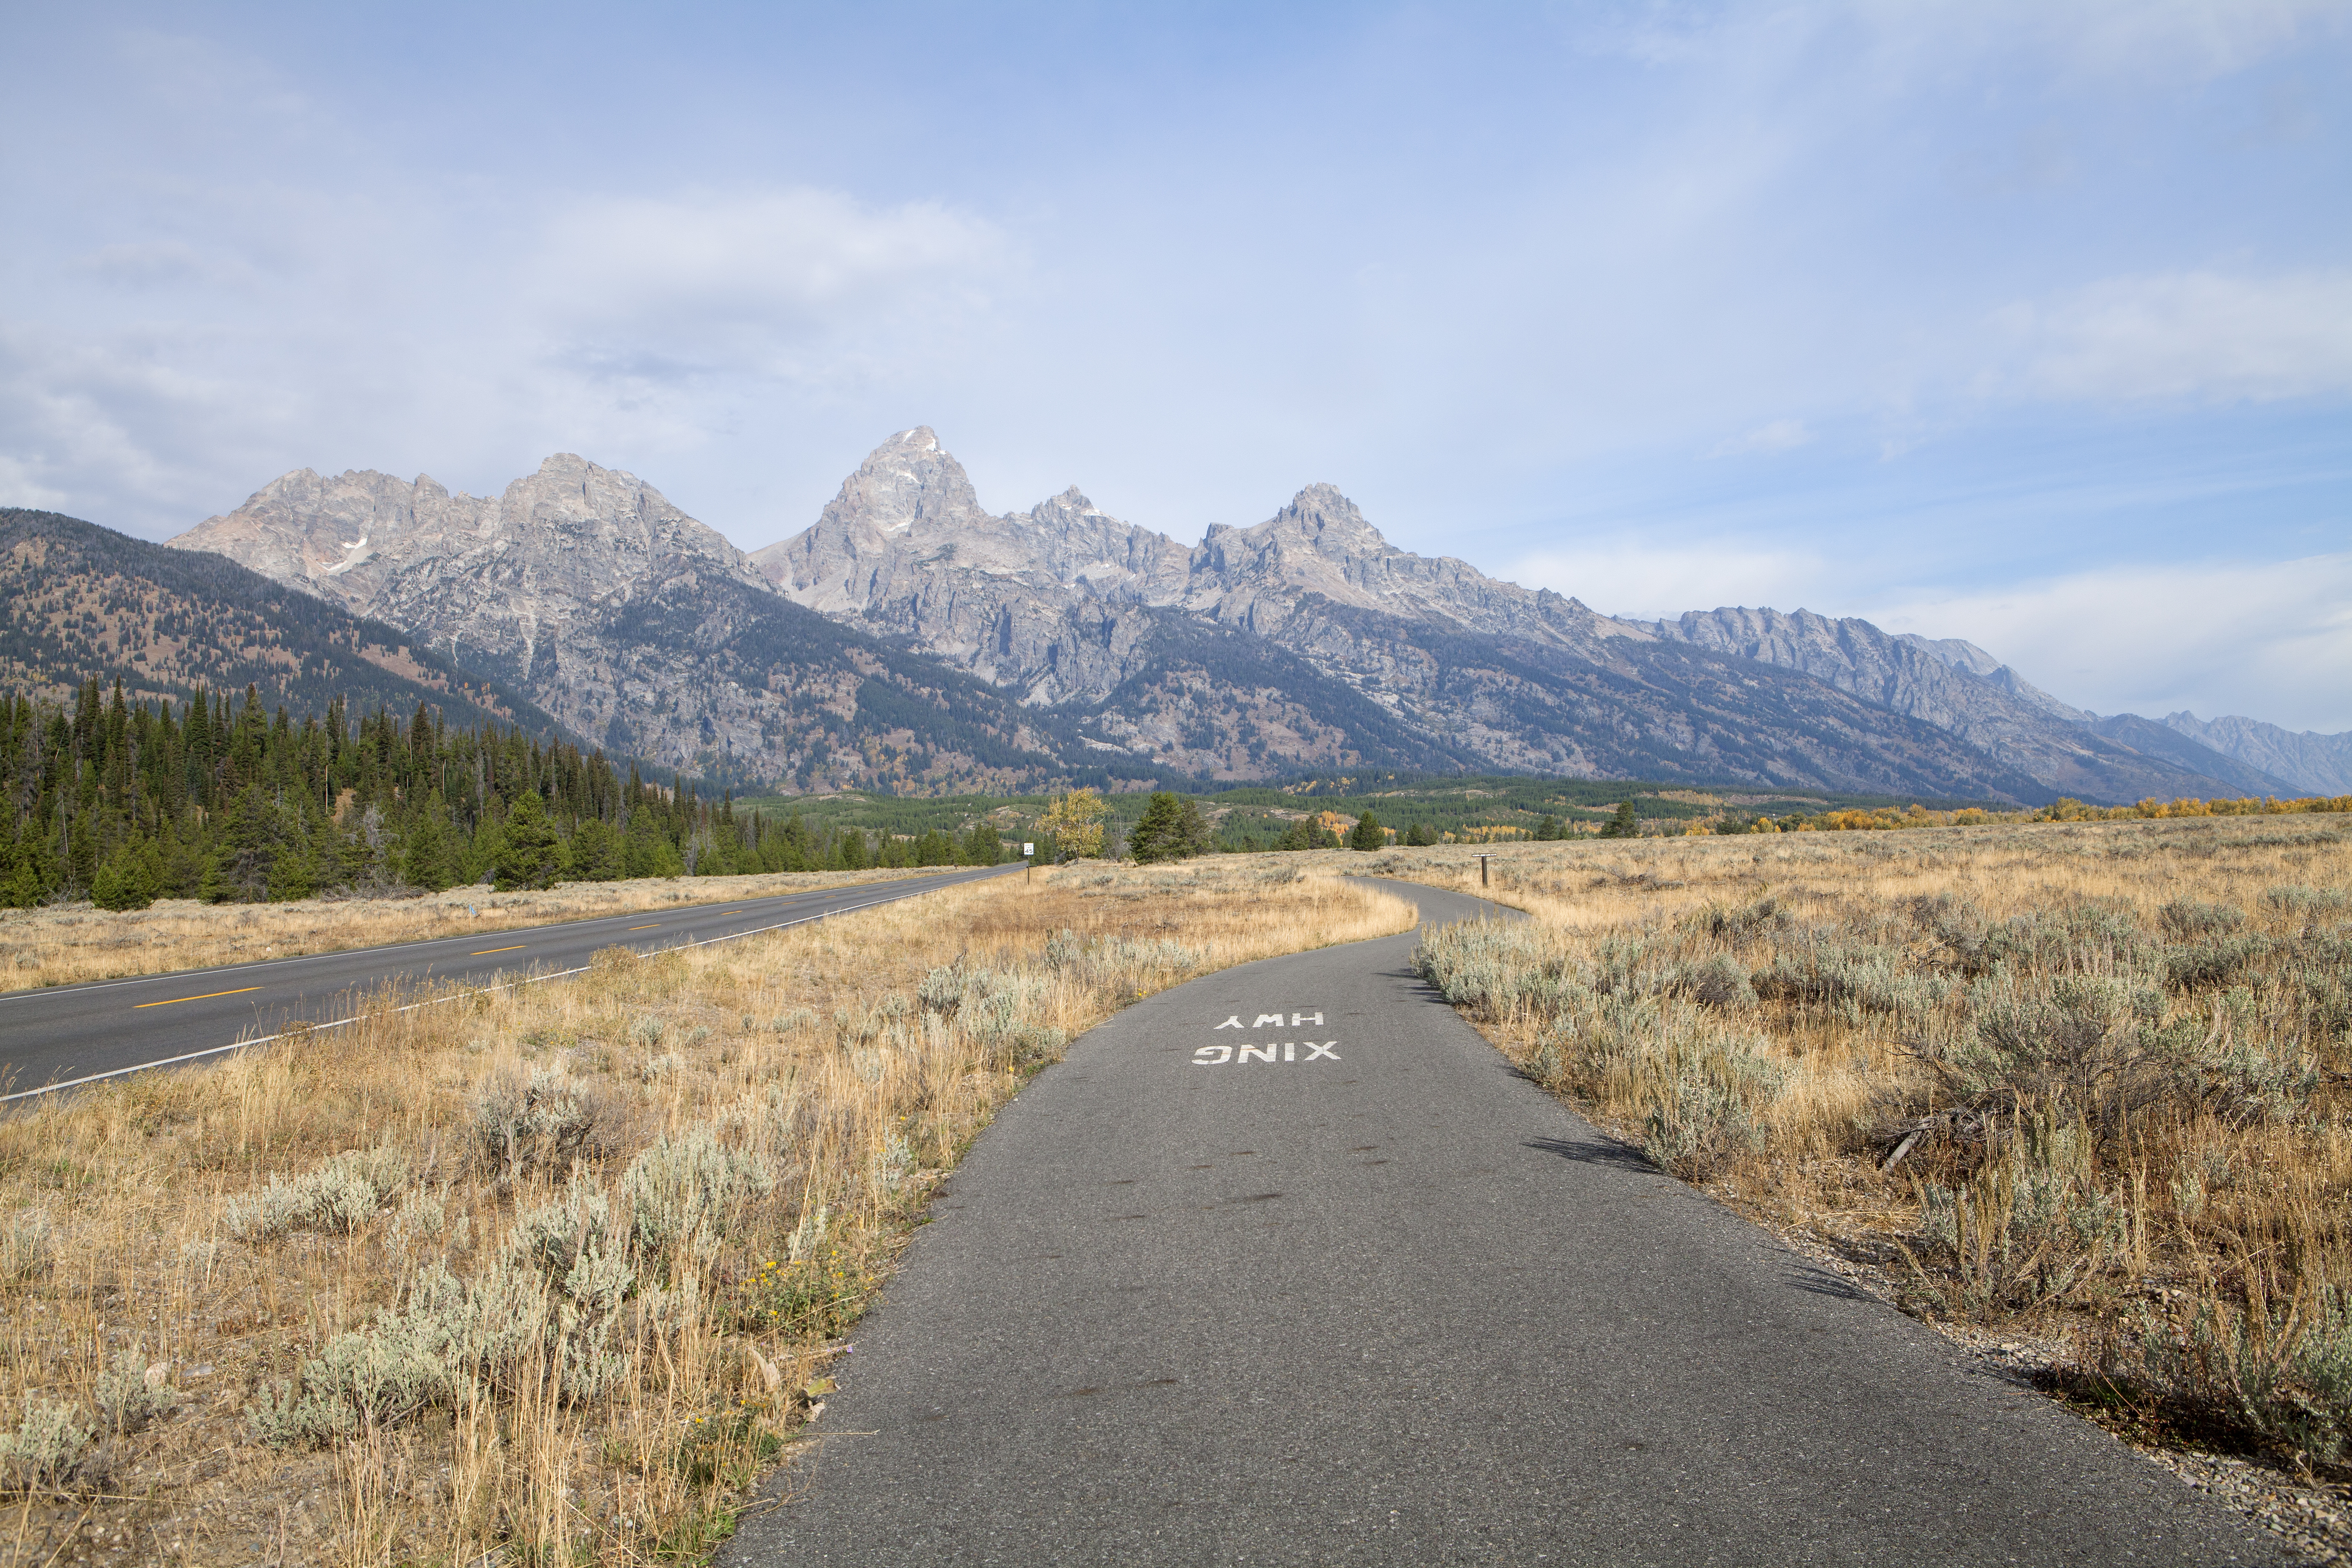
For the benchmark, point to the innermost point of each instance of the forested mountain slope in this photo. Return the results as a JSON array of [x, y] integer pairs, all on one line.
[[79, 602]]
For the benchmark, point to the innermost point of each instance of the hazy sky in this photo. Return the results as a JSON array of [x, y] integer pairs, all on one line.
[[2030, 323]]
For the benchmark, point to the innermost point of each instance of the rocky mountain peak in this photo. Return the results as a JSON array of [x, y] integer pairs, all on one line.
[[908, 479], [1324, 518], [908, 486]]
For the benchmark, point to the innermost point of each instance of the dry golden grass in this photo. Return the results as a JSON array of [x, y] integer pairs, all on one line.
[[2086, 1083], [73, 943], [827, 1075]]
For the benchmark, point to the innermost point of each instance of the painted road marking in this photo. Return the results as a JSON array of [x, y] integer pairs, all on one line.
[[1220, 1055], [1234, 1022], [205, 997], [210, 1051], [516, 948], [652, 927]]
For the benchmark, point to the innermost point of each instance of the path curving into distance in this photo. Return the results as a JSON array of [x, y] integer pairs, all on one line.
[[66, 1035], [1347, 1288]]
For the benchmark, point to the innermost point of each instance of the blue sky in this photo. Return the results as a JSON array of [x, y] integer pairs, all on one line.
[[2030, 323]]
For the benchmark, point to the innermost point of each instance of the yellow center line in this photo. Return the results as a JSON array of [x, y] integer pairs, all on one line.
[[205, 997], [645, 927], [516, 948]]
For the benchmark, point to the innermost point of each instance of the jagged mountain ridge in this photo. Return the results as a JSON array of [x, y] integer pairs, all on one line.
[[1017, 598], [1957, 687], [1034, 601], [1063, 637], [2152, 739], [636, 626], [2310, 762]]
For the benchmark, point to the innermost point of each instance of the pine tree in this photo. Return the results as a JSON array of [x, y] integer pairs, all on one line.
[[1623, 825], [594, 852], [1366, 833], [424, 859], [106, 888], [849, 853], [530, 851], [1194, 828], [1159, 834]]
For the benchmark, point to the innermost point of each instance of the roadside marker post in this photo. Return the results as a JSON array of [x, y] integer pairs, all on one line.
[[1482, 869], [1027, 864]]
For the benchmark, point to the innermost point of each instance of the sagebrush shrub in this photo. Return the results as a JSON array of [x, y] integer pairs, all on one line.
[[684, 1193], [131, 1390], [521, 1124], [26, 1251], [2184, 918], [2032, 1227], [2285, 1373], [49, 1450], [2224, 960], [1717, 981], [345, 1192]]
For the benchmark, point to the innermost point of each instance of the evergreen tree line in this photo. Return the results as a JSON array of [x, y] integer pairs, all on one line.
[[124, 803], [1369, 833]]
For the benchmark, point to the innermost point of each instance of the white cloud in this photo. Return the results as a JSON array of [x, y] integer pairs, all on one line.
[[2164, 41], [1651, 582], [154, 264], [19, 487], [2190, 334], [128, 408], [754, 279], [1778, 436], [2272, 640]]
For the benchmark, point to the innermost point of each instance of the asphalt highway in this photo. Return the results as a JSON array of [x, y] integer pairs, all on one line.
[[68, 1034], [1288, 1266]]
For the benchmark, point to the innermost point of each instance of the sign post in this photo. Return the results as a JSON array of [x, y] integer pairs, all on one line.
[[1028, 850], [1482, 869]]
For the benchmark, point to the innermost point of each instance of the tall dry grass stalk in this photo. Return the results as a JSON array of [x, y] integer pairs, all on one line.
[[73, 943], [2088, 1081], [545, 1275]]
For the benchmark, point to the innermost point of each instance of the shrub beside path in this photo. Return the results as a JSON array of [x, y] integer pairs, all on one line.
[[1288, 1265]]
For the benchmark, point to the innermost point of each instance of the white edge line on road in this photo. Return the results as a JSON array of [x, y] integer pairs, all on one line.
[[453, 997], [37, 992]]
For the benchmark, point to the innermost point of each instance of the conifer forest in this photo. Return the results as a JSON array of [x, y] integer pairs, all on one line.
[[124, 803]]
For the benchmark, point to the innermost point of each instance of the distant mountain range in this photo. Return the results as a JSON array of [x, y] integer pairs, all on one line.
[[910, 639], [2314, 763]]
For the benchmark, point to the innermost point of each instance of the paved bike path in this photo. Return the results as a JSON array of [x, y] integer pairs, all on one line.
[[1380, 1299]]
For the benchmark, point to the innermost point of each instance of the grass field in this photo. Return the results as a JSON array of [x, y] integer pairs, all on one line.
[[73, 943], [550, 1274], [555, 1274], [2085, 1085]]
